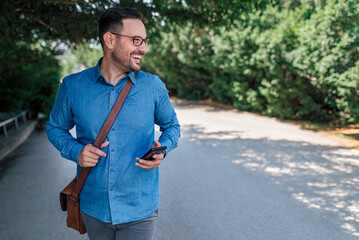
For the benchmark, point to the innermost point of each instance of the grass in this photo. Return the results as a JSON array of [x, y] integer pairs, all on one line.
[[348, 134]]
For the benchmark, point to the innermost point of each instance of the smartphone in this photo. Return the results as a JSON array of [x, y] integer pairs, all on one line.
[[153, 151]]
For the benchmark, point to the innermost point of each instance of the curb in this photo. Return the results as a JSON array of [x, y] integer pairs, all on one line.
[[16, 139]]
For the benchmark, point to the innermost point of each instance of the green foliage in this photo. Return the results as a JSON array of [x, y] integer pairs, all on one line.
[[298, 60], [87, 54], [327, 58], [29, 68], [81, 56], [290, 59], [29, 77], [182, 47]]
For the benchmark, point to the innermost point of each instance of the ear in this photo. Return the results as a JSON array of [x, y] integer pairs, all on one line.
[[109, 40]]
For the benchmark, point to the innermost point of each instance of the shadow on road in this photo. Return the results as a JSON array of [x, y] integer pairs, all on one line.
[[325, 179]]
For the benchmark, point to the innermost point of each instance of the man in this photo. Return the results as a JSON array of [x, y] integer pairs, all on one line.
[[120, 197]]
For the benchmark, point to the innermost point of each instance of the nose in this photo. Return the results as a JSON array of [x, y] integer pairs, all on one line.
[[143, 48]]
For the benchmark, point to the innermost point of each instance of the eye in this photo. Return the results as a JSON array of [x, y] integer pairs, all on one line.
[[137, 41]]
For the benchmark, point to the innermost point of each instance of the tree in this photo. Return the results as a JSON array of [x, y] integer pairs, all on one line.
[[296, 60], [36, 30]]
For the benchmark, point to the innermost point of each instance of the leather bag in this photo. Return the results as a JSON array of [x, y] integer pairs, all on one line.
[[69, 197]]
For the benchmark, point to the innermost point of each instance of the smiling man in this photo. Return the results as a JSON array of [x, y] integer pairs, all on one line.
[[120, 197]]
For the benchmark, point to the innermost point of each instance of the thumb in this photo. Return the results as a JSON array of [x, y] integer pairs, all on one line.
[[105, 144], [156, 144]]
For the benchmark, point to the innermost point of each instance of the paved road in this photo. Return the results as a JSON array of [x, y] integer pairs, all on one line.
[[234, 176]]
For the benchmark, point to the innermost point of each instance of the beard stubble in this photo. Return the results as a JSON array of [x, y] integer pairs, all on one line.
[[123, 62]]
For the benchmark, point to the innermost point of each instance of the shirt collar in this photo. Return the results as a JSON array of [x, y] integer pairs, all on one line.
[[98, 74]]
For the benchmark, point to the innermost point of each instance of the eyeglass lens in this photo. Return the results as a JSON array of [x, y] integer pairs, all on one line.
[[137, 41]]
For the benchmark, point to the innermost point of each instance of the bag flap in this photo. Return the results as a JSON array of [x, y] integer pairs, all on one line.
[[68, 189]]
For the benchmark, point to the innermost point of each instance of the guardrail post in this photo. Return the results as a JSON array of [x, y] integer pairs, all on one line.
[[5, 132], [16, 124], [15, 119]]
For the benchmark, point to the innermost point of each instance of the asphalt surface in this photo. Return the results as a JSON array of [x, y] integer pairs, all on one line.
[[235, 175]]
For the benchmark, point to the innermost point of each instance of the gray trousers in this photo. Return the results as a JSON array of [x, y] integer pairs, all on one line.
[[143, 229]]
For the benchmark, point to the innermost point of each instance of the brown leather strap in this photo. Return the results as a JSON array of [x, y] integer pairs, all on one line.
[[102, 135]]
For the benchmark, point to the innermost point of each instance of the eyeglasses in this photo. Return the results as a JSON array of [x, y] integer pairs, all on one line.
[[137, 40]]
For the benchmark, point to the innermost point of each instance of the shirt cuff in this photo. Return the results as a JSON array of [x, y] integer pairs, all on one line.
[[167, 143], [73, 152]]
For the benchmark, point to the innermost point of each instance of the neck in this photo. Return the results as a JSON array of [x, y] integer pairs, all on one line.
[[111, 72]]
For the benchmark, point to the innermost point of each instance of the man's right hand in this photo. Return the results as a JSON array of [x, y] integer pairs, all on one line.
[[89, 155]]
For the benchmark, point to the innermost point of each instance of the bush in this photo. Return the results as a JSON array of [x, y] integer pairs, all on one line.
[[29, 76], [297, 61]]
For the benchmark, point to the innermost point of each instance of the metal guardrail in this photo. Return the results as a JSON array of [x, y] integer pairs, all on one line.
[[15, 119]]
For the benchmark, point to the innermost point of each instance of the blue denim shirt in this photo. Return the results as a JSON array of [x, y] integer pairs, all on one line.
[[116, 190]]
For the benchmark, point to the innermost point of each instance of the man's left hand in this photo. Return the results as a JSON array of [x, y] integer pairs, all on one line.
[[152, 163]]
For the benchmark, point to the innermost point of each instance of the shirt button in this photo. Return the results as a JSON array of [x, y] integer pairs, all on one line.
[[111, 189], [113, 89], [112, 169], [113, 129], [112, 150]]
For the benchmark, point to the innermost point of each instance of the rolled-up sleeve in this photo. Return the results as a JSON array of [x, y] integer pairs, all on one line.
[[165, 117], [59, 125]]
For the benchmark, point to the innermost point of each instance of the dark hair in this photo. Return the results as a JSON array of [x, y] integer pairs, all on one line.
[[111, 20]]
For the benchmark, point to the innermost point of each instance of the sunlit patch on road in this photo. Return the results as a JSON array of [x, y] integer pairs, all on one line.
[[325, 179], [315, 171]]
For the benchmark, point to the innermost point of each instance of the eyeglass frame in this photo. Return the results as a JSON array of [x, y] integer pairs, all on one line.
[[146, 40]]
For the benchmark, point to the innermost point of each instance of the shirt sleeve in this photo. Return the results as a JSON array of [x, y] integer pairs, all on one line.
[[59, 125], [165, 117]]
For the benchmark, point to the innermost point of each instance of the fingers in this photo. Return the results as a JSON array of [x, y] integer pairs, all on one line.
[[158, 156], [147, 164], [89, 163], [150, 164], [96, 151], [89, 155]]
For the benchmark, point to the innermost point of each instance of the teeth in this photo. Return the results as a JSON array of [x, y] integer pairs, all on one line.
[[137, 56]]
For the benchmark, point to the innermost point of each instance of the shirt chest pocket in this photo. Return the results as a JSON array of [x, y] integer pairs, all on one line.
[[136, 114], [89, 115]]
